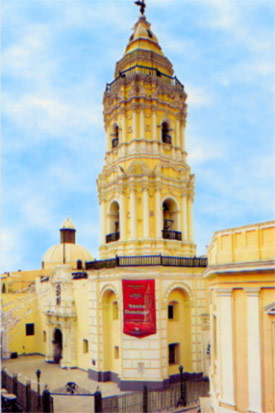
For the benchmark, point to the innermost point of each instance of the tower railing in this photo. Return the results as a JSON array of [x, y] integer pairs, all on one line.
[[168, 234], [144, 70], [112, 237], [147, 260]]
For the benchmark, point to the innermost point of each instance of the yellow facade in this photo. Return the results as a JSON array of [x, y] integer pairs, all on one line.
[[217, 321], [242, 284], [146, 189]]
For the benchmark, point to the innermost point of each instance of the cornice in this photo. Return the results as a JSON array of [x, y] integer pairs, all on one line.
[[246, 268]]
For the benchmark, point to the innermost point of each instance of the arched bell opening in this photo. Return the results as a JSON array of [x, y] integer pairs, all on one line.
[[170, 220], [113, 218], [165, 133], [115, 136], [57, 345]]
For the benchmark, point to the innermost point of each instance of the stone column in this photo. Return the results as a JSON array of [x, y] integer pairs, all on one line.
[[182, 143], [184, 219], [121, 216], [102, 220], [49, 342], [145, 213], [155, 133], [190, 220], [123, 134], [141, 124], [134, 124], [178, 132], [226, 347], [133, 213], [158, 215], [254, 351]]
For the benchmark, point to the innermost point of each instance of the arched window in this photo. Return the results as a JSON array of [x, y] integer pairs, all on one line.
[[113, 223], [3, 288], [115, 135], [170, 220], [166, 138], [58, 294]]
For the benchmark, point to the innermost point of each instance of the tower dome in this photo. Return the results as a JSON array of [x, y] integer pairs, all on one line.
[[67, 252]]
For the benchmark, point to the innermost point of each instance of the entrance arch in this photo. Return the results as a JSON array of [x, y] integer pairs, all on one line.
[[57, 345]]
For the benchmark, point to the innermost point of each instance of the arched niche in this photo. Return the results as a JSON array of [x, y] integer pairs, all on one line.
[[110, 329], [179, 340]]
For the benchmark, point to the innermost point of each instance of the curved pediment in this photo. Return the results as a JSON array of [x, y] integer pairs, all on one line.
[[138, 168]]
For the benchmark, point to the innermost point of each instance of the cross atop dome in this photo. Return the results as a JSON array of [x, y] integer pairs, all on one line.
[[142, 5]]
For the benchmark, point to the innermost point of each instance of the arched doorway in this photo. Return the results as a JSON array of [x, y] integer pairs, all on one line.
[[57, 346]]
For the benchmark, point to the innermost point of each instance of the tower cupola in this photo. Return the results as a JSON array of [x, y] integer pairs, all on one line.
[[67, 232], [146, 188]]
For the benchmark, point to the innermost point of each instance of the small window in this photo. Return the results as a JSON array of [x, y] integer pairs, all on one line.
[[44, 336], [173, 310], [115, 134], [170, 312], [3, 288], [30, 329], [150, 34], [58, 294], [116, 348], [115, 310], [79, 265], [173, 353], [85, 346]]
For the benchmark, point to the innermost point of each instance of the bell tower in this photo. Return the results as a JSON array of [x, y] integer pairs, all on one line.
[[146, 189]]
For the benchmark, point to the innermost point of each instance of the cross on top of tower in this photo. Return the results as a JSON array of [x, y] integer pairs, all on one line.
[[142, 5]]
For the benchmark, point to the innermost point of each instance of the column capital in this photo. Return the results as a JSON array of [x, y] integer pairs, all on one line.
[[225, 292], [252, 292]]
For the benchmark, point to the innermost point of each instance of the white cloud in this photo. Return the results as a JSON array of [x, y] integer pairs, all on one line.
[[50, 115], [198, 96]]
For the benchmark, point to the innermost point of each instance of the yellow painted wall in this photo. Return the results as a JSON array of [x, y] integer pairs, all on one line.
[[81, 296], [179, 329], [242, 244], [240, 347]]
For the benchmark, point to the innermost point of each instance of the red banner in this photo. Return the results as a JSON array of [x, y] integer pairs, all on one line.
[[139, 307]]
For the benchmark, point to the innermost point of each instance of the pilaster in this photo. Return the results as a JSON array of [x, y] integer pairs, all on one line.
[[226, 347], [254, 351]]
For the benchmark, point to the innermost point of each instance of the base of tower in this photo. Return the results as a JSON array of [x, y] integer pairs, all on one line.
[[138, 385], [146, 247]]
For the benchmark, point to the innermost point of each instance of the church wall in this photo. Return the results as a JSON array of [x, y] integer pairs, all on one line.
[[81, 297], [130, 360], [21, 309], [242, 319]]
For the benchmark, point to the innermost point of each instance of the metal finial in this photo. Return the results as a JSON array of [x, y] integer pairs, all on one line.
[[142, 5]]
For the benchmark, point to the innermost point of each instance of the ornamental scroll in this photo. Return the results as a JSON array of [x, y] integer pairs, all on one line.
[[139, 307]]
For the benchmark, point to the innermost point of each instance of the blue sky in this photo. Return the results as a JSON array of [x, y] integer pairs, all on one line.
[[57, 56]]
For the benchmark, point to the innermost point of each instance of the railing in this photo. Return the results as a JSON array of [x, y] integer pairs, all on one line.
[[147, 260], [115, 142], [27, 399], [156, 400], [166, 139], [112, 237], [149, 71], [167, 234]]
